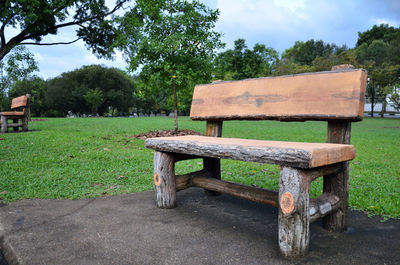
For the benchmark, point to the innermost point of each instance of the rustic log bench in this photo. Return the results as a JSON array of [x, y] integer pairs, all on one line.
[[19, 114], [333, 96]]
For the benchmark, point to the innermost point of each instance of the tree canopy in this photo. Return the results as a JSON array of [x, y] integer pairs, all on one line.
[[88, 89], [37, 18], [241, 62]]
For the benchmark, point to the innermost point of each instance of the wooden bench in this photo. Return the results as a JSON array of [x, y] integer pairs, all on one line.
[[333, 96], [19, 114]]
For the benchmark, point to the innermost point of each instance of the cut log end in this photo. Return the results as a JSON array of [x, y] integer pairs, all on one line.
[[287, 203], [157, 180]]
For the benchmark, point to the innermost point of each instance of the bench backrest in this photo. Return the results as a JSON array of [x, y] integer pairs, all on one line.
[[328, 96], [19, 102]]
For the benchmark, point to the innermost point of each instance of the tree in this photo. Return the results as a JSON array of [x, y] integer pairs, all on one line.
[[395, 97], [94, 98], [35, 86], [80, 91], [377, 51], [305, 52], [37, 18], [19, 65], [171, 38], [241, 62], [382, 32]]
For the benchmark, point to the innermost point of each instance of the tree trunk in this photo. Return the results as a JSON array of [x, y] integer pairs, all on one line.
[[175, 109], [372, 105], [384, 103]]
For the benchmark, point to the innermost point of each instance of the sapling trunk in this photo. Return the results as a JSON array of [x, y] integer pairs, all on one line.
[[175, 109]]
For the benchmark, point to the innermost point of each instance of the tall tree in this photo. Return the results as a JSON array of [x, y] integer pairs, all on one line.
[[37, 18], [17, 66], [377, 51], [171, 38]]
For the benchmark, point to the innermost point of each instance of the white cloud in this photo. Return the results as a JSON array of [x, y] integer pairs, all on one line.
[[378, 21]]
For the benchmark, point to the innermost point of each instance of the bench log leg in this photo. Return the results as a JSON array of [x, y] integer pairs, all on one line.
[[338, 132], [4, 124], [294, 219], [164, 180], [338, 184], [212, 165]]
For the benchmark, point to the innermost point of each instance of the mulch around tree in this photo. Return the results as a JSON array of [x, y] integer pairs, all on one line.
[[165, 133]]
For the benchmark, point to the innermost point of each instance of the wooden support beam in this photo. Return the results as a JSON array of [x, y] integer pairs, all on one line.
[[325, 170], [323, 205], [338, 132], [213, 129], [238, 190]]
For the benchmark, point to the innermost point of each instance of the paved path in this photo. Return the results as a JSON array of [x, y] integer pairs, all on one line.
[[129, 229]]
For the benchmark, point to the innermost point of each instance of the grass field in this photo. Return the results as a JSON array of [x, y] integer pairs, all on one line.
[[88, 157]]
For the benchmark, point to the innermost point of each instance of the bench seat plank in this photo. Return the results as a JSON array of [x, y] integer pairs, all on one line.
[[12, 113], [293, 154]]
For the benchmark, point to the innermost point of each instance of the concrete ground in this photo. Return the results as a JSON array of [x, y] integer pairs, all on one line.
[[129, 229]]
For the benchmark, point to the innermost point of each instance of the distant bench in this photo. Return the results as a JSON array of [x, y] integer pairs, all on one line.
[[19, 114], [333, 96]]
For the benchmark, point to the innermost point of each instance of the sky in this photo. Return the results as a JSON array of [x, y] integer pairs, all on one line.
[[275, 23]]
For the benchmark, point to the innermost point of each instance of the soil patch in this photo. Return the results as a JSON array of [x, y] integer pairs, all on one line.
[[164, 133]]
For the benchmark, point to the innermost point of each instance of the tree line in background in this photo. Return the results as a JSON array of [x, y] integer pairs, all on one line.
[[170, 45]]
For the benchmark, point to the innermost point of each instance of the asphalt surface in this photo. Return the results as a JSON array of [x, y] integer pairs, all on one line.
[[129, 229]]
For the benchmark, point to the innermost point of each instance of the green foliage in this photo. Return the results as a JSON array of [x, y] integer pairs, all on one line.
[[304, 53], [35, 86], [382, 32], [241, 62], [94, 98], [172, 40], [378, 52], [72, 90], [38, 18], [15, 69]]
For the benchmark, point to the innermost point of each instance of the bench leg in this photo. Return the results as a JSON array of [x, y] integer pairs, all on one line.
[[212, 165], [4, 124], [164, 179], [338, 184], [294, 219]]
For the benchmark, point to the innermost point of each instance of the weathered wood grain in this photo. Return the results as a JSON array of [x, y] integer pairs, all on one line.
[[338, 184], [332, 95], [13, 114], [213, 129], [238, 190], [19, 102], [164, 180], [295, 154], [323, 205], [4, 124], [293, 218]]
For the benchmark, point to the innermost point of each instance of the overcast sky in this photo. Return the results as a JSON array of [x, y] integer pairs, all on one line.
[[275, 23]]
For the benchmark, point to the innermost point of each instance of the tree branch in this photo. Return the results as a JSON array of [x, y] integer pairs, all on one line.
[[48, 44]]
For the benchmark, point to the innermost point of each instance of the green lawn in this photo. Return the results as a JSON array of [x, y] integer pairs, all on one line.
[[87, 157]]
